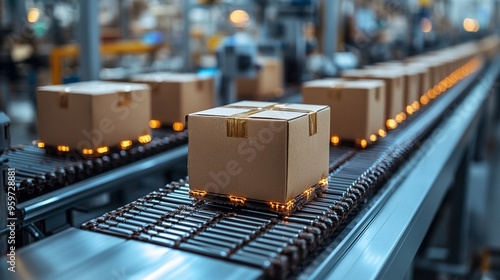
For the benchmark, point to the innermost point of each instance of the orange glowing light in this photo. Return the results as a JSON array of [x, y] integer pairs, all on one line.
[[125, 144], [87, 151], [282, 207], [391, 124], [40, 144], [409, 110], [415, 105], [398, 118], [323, 182], [308, 192], [239, 18], [424, 100], [33, 15], [197, 193], [362, 143], [441, 87], [237, 199], [143, 139], [335, 140], [471, 25], [373, 137], [63, 148], [178, 126], [382, 133], [102, 150], [154, 124]]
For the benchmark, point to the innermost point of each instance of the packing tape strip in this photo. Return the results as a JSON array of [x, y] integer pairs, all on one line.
[[335, 92], [236, 125], [124, 98], [63, 98]]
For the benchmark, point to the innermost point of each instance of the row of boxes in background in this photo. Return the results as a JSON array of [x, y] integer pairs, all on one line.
[[92, 116], [269, 153], [367, 102], [272, 153]]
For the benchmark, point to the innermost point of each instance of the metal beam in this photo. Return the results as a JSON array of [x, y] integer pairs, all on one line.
[[186, 53], [124, 20], [330, 27], [89, 40]]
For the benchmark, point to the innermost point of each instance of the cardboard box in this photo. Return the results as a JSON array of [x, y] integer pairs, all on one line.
[[175, 95], [420, 68], [489, 46], [394, 86], [90, 115], [272, 154], [267, 83], [436, 68], [357, 107], [424, 78], [411, 76]]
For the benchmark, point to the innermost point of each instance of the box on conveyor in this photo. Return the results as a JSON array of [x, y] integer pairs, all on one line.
[[267, 84], [261, 154], [91, 117], [490, 45], [175, 95], [435, 67], [357, 107], [394, 87], [412, 79], [422, 70]]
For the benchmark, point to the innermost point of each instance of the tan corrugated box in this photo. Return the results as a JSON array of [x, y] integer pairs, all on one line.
[[437, 69], [270, 154], [394, 86], [267, 83], [357, 107], [89, 115], [490, 45], [422, 70], [412, 76], [175, 95]]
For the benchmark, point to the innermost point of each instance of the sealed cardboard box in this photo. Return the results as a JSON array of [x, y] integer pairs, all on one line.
[[357, 107], [436, 68], [411, 76], [267, 83], [424, 78], [260, 151], [394, 86], [88, 116], [489, 45], [175, 95]]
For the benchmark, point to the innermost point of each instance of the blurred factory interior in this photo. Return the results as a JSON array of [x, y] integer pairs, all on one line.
[[419, 198]]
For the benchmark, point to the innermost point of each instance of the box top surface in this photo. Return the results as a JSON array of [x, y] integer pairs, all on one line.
[[94, 88], [251, 104], [284, 112], [407, 69], [376, 73], [168, 77], [340, 83], [428, 61]]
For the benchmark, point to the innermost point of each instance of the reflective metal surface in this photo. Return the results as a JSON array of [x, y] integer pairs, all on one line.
[[77, 254]]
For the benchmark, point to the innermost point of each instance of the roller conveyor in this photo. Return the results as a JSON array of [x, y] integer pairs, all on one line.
[[316, 241], [39, 173]]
